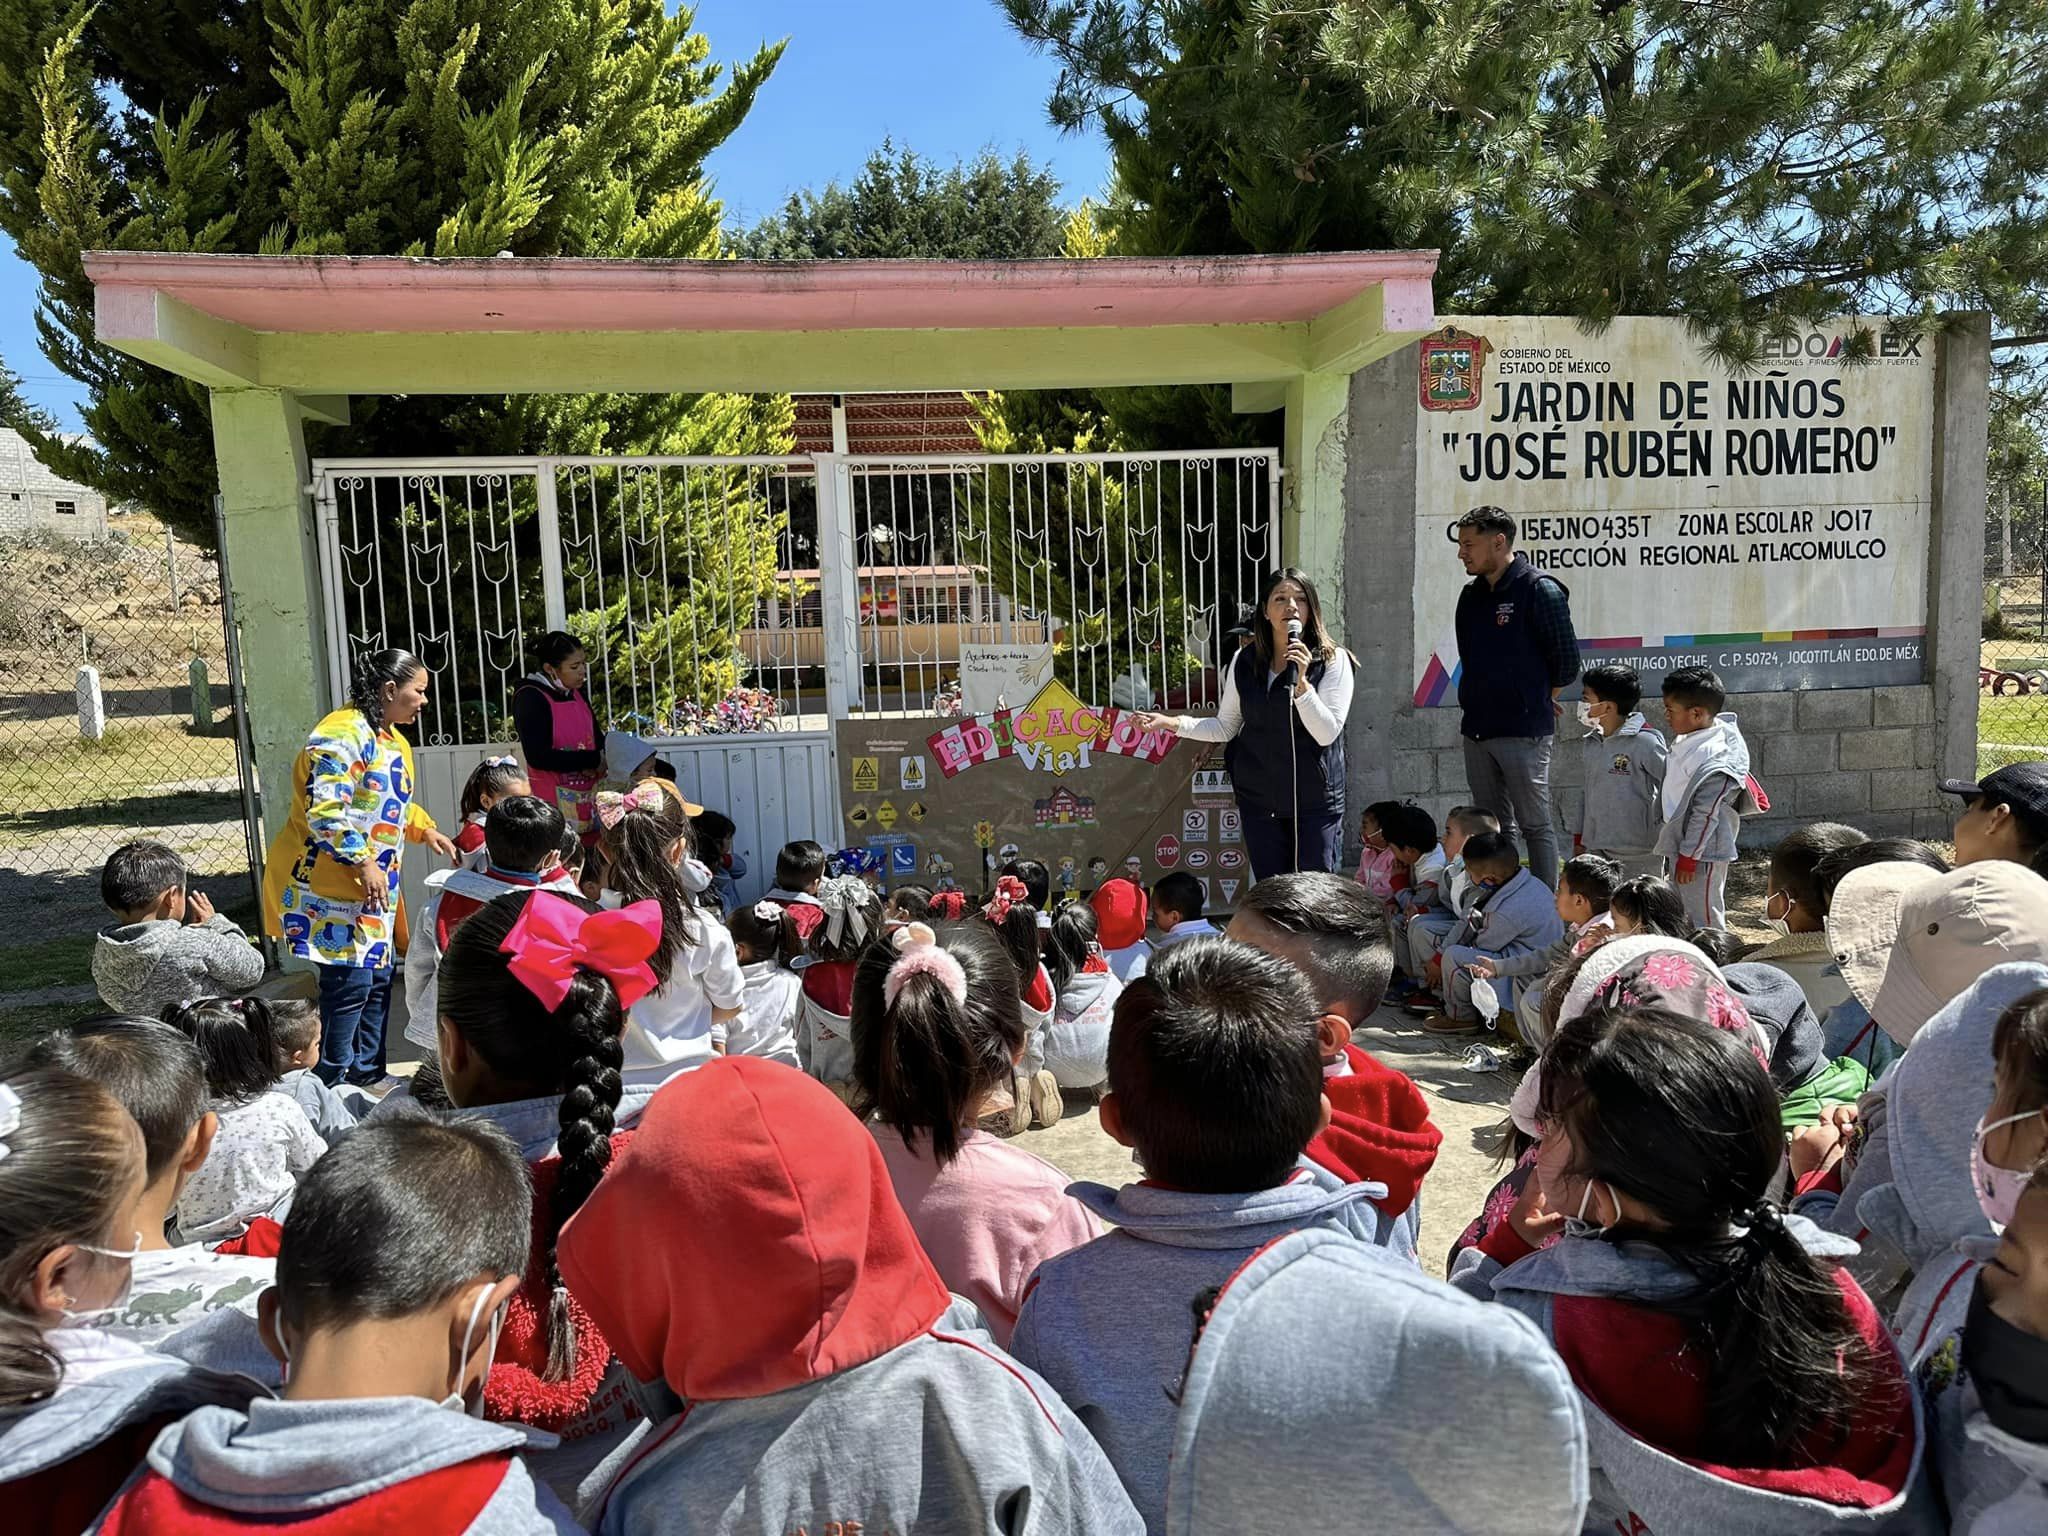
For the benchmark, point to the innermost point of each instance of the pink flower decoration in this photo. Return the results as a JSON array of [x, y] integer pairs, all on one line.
[[1669, 972]]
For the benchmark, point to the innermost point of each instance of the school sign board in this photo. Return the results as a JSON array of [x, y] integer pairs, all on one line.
[[947, 802], [1771, 524]]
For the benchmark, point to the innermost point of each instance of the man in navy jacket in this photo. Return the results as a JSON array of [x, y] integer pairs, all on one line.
[[1516, 651]]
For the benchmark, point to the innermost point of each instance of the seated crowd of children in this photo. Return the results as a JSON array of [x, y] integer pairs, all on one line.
[[710, 1216]]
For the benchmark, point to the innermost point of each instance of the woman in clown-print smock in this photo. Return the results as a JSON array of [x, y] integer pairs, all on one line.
[[330, 886]]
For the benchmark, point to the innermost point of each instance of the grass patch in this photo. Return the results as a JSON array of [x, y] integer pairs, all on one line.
[[19, 1026], [60, 772], [61, 962]]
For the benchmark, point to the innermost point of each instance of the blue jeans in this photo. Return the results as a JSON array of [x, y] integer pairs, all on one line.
[[355, 1004]]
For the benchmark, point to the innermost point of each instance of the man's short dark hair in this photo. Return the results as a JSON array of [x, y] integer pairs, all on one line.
[[1592, 877], [135, 874], [154, 1071], [1337, 933], [399, 1217], [1179, 892], [521, 831], [798, 864], [1409, 826], [1486, 520], [1216, 1069], [1616, 684], [1695, 688], [1491, 850], [1471, 819]]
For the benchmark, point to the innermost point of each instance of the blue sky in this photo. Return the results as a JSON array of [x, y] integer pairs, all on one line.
[[942, 76]]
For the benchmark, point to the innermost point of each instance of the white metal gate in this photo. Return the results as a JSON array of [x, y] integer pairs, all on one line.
[[734, 607]]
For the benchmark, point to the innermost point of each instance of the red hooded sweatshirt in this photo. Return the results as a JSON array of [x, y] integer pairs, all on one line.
[[1379, 1130]]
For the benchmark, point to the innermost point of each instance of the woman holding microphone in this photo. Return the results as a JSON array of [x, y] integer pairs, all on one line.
[[1283, 705]]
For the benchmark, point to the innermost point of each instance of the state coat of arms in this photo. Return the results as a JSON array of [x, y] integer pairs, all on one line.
[[1453, 370]]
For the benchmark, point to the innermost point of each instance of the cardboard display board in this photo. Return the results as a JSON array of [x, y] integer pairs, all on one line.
[[994, 677], [948, 802], [1770, 523]]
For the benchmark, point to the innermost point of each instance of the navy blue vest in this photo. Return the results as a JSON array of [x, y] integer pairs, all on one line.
[[1259, 766], [1504, 687]]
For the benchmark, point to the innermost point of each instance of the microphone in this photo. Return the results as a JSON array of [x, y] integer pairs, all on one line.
[[1293, 634]]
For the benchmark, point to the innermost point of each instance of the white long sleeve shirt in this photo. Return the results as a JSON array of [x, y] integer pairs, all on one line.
[[1322, 708]]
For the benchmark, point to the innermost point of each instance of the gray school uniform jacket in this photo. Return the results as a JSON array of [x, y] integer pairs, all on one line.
[[1622, 809], [111, 1388], [1109, 1324], [1519, 917], [1716, 798], [399, 1463], [1319, 1339], [1876, 1485], [1909, 1201]]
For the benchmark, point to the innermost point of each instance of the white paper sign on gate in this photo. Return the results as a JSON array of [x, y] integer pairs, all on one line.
[[994, 677]]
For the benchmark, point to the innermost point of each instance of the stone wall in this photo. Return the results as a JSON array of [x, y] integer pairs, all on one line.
[[1867, 756]]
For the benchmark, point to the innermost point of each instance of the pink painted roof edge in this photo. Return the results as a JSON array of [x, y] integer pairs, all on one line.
[[342, 294]]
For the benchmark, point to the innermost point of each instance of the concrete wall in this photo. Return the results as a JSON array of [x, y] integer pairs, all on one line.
[[30, 494], [1866, 756]]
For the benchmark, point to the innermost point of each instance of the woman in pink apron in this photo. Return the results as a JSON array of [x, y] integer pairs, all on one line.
[[557, 730]]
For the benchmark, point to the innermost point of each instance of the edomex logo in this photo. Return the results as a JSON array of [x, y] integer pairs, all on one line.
[[1819, 347]]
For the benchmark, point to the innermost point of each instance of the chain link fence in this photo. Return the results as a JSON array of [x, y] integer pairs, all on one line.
[[2012, 724], [117, 722]]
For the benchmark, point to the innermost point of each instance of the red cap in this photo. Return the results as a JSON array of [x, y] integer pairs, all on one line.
[[1120, 912]]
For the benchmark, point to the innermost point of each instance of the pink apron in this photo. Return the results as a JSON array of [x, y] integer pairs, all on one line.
[[575, 730]]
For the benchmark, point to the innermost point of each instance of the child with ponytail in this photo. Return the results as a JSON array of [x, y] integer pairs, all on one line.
[[1734, 1377], [764, 938], [78, 1407], [937, 1030], [644, 836], [492, 780], [1085, 991], [1011, 913], [849, 915], [534, 992]]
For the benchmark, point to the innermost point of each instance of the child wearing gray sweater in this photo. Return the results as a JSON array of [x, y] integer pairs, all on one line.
[[1620, 810]]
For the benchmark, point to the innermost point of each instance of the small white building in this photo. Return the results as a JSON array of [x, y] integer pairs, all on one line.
[[34, 500]]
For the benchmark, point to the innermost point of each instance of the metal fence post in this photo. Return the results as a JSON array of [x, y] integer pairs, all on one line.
[[838, 588], [548, 523], [245, 747]]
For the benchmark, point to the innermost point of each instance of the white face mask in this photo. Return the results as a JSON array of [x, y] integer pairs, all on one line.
[[1781, 926], [119, 1301], [1998, 1189], [1580, 1224], [454, 1401], [1485, 1000], [1586, 716]]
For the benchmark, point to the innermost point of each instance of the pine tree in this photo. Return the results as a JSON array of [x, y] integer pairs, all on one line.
[[1750, 166], [420, 127], [16, 409]]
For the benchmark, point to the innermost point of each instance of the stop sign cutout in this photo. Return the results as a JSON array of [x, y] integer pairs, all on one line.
[[1167, 851]]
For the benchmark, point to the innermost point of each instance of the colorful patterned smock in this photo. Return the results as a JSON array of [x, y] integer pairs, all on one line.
[[351, 801]]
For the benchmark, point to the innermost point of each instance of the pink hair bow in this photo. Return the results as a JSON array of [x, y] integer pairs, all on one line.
[[554, 938], [1009, 891], [612, 806], [918, 954]]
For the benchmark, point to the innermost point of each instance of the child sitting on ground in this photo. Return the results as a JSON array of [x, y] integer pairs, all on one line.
[[764, 941], [1035, 1093], [937, 1031], [1734, 1378], [799, 871], [1331, 930], [819, 1372], [295, 1026], [1621, 808], [1377, 865], [1085, 991], [1411, 833], [1515, 914], [492, 780], [848, 916], [712, 832], [156, 1074], [645, 838], [1585, 891], [1177, 912], [168, 945], [1649, 904], [78, 1407], [908, 904], [1122, 914], [1796, 912], [523, 838], [264, 1141], [531, 1024], [1416, 943], [1707, 791], [397, 1261], [1216, 1082]]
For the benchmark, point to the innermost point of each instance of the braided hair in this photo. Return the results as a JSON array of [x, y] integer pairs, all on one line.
[[1683, 1118], [573, 1050], [373, 670]]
